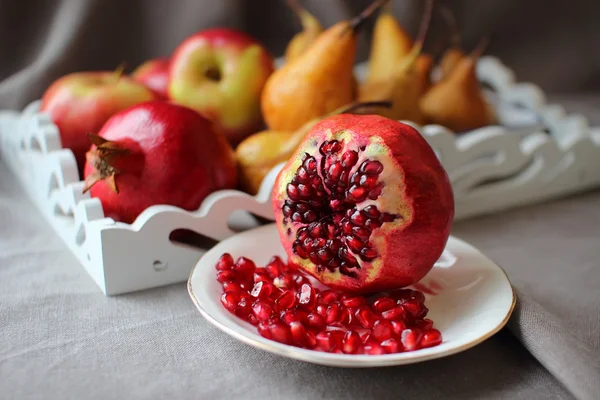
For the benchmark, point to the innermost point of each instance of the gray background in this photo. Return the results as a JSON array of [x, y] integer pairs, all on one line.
[[62, 339]]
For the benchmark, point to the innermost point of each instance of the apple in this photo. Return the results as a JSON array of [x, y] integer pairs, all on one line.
[[154, 74], [221, 73], [81, 102]]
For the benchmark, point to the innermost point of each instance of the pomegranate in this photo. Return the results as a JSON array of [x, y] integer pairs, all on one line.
[[158, 153], [302, 315], [364, 204]]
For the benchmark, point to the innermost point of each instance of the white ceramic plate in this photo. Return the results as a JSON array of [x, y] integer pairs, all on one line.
[[469, 298]]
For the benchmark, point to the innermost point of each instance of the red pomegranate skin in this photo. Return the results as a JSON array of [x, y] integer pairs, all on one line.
[[154, 74], [174, 157], [410, 248], [80, 103]]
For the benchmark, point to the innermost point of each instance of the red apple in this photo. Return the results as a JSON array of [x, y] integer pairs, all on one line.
[[154, 74], [221, 73], [80, 103]]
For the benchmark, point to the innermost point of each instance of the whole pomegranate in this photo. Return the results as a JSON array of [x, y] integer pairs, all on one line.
[[157, 153], [364, 204]]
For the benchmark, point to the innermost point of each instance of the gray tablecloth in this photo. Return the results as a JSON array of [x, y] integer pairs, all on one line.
[[60, 338]]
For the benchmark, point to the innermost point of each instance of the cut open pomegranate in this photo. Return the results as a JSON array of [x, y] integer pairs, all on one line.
[[304, 316], [364, 204]]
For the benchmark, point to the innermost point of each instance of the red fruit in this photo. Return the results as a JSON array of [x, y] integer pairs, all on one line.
[[230, 300], [328, 297], [263, 329], [244, 267], [365, 317], [353, 302], [252, 319], [80, 103], [280, 333], [315, 321], [382, 330], [311, 340], [290, 316], [275, 267], [262, 290], [226, 276], [397, 314], [369, 227], [307, 296], [415, 309], [398, 327], [225, 262], [391, 346], [333, 314], [383, 304], [324, 341], [230, 286], [286, 300], [425, 325], [221, 73], [351, 343], [431, 337], [154, 74], [157, 153], [373, 349], [244, 308], [321, 309], [298, 334], [260, 274], [410, 339], [262, 310]]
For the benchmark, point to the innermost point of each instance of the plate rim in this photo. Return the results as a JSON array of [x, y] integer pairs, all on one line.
[[383, 360]]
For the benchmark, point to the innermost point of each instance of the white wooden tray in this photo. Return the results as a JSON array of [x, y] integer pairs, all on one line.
[[539, 153]]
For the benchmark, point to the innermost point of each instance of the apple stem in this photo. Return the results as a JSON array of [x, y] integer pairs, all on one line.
[[357, 22]]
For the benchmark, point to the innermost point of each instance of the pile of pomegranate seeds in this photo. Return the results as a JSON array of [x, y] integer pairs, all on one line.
[[284, 306]]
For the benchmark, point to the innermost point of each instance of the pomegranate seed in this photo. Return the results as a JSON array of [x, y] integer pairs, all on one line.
[[353, 302], [431, 337], [382, 330], [401, 295], [415, 309], [425, 325], [244, 308], [300, 280], [396, 314], [398, 327], [315, 321], [232, 287], [328, 297], [419, 296], [244, 266], [349, 159], [365, 317], [298, 333], [410, 339], [263, 329], [373, 349], [274, 269], [284, 282], [280, 333], [333, 314], [351, 343], [252, 319], [263, 311], [307, 296], [230, 300], [226, 276], [289, 316], [260, 274], [286, 301], [371, 167], [324, 341], [391, 346], [311, 340], [383, 304], [322, 310], [262, 290], [225, 262]]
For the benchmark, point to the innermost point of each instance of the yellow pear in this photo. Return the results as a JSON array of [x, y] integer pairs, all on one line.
[[390, 43], [450, 60], [311, 29], [318, 81], [457, 102]]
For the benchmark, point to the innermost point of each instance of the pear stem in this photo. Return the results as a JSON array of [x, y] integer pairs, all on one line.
[[480, 48], [118, 72], [357, 22], [450, 19], [295, 6], [350, 108], [424, 28]]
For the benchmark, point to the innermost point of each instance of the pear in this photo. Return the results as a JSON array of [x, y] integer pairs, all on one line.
[[259, 153], [390, 43], [318, 81], [406, 85], [457, 102], [311, 29]]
